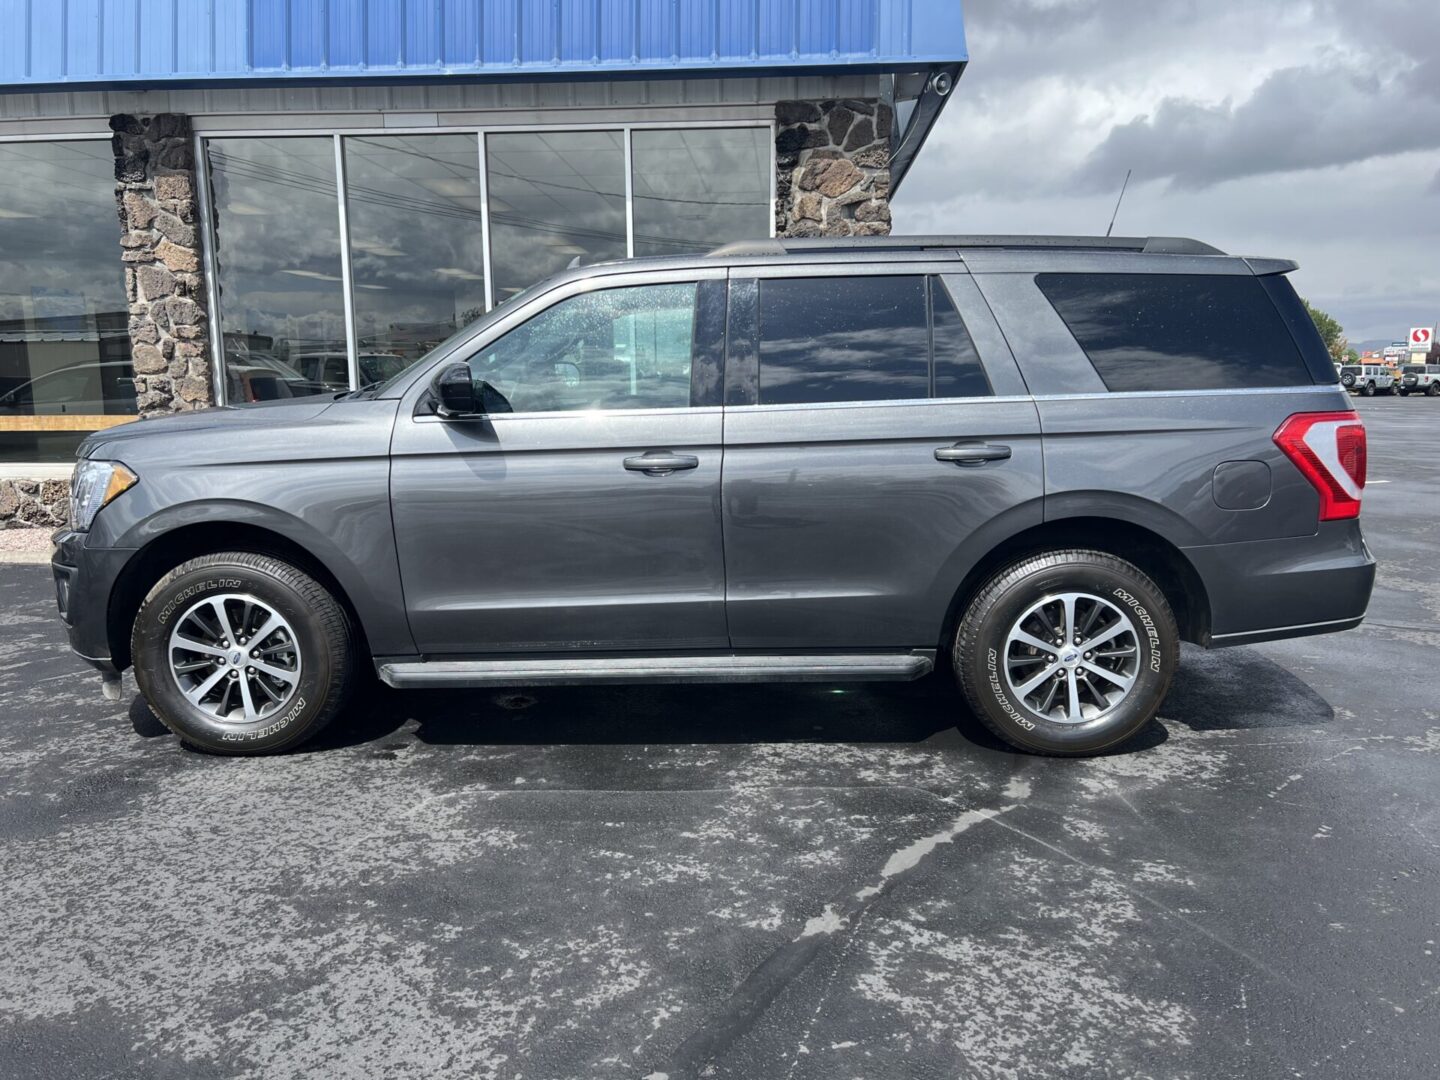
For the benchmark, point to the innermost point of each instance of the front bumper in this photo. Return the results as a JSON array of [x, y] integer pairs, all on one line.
[[1266, 590], [84, 580]]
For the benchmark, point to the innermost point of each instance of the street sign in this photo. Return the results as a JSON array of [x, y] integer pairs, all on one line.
[[1422, 337]]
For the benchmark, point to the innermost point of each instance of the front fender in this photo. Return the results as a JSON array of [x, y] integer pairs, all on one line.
[[357, 549]]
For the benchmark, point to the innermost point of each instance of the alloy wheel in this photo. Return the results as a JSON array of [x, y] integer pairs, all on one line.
[[235, 658], [1072, 657]]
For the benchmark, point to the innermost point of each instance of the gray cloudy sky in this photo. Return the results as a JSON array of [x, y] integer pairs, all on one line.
[[1306, 129]]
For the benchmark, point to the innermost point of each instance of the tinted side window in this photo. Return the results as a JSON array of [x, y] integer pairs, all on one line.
[[1177, 331], [958, 372], [843, 339], [627, 348]]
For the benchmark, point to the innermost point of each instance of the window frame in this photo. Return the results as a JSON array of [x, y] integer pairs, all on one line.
[[415, 392], [1263, 294], [742, 362], [695, 347], [207, 220]]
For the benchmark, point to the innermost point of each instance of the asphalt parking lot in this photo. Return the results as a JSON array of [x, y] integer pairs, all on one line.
[[786, 882]]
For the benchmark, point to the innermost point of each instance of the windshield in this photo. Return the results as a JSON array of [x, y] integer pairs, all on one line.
[[1349, 369], [460, 334]]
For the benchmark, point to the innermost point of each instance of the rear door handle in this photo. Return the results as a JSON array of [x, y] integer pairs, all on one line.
[[660, 462], [972, 453]]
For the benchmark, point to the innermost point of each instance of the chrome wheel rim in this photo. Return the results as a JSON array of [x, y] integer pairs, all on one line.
[[235, 658], [1072, 658]]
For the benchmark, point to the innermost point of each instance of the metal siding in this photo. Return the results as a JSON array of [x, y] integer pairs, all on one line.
[[539, 31], [499, 35], [309, 36], [347, 33], [52, 43], [461, 40]]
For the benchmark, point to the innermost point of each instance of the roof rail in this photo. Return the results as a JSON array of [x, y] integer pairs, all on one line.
[[1152, 245]]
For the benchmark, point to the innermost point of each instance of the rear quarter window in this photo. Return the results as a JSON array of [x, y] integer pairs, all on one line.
[[1177, 331]]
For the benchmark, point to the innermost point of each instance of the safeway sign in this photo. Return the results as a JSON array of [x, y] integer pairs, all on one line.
[[1422, 337]]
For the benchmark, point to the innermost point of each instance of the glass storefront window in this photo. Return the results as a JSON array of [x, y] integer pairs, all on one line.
[[554, 196], [277, 254], [417, 257], [697, 188], [415, 216], [64, 345]]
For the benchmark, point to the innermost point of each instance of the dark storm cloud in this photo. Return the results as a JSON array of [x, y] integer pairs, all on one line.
[[1303, 128], [1300, 118]]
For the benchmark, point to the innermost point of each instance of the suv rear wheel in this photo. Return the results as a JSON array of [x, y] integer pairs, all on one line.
[[1369, 390], [1067, 653], [239, 653]]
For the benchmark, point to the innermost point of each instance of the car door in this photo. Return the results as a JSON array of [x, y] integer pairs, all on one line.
[[870, 456], [586, 517]]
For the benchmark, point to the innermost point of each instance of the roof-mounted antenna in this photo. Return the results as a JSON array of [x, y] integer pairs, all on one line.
[[1118, 201]]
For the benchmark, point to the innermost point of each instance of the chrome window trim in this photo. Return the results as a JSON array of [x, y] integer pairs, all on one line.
[[897, 403], [575, 414], [1314, 388]]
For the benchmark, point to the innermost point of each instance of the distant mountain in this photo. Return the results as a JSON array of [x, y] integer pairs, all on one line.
[[1373, 343]]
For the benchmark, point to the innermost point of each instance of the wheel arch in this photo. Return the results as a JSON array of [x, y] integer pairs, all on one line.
[[1157, 557], [167, 549]]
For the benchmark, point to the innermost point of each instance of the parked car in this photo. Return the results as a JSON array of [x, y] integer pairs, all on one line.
[[331, 370], [252, 376], [1041, 463], [1420, 379], [1368, 379], [91, 389]]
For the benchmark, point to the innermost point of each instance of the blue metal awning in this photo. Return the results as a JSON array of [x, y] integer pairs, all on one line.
[[50, 44]]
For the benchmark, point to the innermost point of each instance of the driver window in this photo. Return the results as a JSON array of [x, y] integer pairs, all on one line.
[[609, 349]]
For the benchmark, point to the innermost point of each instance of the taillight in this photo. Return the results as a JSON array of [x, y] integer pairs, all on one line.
[[1329, 448]]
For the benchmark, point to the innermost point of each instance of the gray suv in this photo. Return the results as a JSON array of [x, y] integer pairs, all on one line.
[[1041, 463]]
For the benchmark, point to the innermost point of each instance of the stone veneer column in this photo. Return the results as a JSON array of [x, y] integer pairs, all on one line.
[[833, 162], [160, 238]]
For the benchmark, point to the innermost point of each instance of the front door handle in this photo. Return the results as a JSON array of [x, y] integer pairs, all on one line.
[[661, 462], [972, 453]]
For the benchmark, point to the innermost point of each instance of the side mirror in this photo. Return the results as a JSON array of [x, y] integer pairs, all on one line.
[[459, 394], [454, 390]]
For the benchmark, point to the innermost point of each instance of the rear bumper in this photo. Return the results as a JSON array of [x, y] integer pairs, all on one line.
[[1271, 589], [84, 578]]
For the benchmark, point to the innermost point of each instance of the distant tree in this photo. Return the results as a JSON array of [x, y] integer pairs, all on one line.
[[1352, 354], [1331, 332]]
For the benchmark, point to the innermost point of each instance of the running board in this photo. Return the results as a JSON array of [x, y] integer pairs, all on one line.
[[858, 667]]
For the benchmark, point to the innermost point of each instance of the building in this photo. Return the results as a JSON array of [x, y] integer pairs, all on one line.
[[311, 193]]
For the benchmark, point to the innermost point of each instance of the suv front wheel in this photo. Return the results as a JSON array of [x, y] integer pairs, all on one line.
[[1067, 653], [240, 653]]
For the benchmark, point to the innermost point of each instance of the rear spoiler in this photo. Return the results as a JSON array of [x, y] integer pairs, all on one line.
[[1271, 267]]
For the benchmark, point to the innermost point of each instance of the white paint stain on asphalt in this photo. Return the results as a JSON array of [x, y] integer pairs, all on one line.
[[908, 857]]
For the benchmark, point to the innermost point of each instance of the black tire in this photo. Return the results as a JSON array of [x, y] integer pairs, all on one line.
[[322, 635], [1369, 390], [1347, 381], [1433, 390], [980, 645], [1404, 393]]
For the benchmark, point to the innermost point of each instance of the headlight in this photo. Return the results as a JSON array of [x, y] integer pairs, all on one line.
[[92, 486]]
